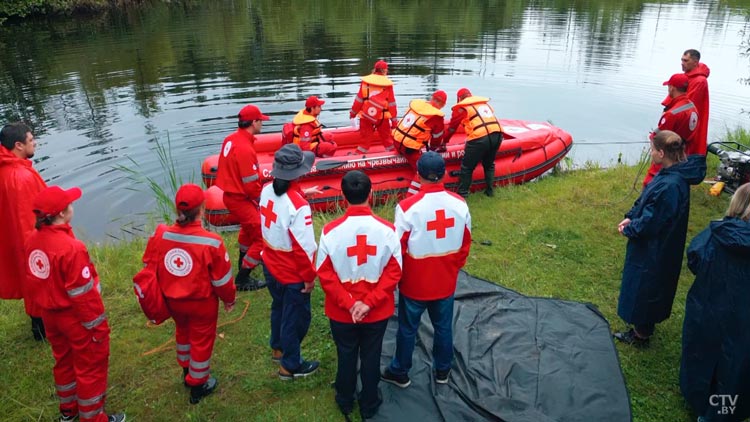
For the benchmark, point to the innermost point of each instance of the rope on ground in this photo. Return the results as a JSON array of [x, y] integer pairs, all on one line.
[[168, 344]]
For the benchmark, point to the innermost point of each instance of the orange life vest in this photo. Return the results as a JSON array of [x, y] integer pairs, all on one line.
[[375, 105], [480, 118], [303, 118], [412, 130]]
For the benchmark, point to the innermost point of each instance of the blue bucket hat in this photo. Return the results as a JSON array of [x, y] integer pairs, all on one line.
[[291, 163]]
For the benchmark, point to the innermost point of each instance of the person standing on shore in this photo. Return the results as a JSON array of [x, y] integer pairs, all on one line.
[[19, 185], [238, 175], [697, 91]]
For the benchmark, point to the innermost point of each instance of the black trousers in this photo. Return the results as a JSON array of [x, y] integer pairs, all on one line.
[[353, 342], [479, 150]]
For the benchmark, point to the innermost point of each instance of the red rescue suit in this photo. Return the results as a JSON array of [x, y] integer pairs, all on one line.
[[375, 104], [66, 289], [19, 185], [308, 134], [435, 231], [681, 117], [239, 177], [193, 270], [698, 94]]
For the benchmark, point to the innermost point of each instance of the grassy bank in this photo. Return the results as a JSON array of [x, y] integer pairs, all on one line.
[[553, 238]]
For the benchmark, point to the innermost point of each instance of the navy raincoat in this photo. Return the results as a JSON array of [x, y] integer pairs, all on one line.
[[716, 333], [656, 243]]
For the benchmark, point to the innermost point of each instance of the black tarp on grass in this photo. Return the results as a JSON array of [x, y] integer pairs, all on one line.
[[517, 359]]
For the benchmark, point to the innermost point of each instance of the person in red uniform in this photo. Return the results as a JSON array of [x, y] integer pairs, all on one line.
[[239, 177], [19, 185], [680, 116], [66, 288], [308, 131], [375, 104], [434, 227], [422, 126], [193, 270], [483, 137], [359, 265], [289, 247], [697, 91]]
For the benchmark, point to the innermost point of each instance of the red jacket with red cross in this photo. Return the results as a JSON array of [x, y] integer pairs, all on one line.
[[681, 117], [190, 262], [435, 231], [62, 276], [238, 171], [359, 258], [288, 237]]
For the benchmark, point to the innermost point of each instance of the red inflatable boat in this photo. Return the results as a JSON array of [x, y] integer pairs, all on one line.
[[528, 150]]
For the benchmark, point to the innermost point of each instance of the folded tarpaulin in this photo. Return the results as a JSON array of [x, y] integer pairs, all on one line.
[[517, 359]]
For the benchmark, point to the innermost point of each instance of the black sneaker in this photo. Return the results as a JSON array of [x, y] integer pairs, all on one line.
[[200, 391], [117, 417], [441, 377], [308, 367], [370, 411], [68, 418], [244, 282], [489, 192], [402, 381], [630, 337]]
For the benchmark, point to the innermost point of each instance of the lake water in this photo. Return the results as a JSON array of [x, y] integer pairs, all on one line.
[[100, 91]]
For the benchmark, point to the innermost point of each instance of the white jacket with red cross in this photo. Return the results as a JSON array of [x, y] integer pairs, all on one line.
[[435, 231], [359, 258], [288, 236]]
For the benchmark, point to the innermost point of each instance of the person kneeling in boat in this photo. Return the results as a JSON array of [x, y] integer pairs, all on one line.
[[308, 132], [421, 126], [375, 105], [483, 137]]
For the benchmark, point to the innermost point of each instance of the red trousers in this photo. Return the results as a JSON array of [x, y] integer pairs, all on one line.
[[195, 335], [250, 238], [412, 157], [81, 363], [367, 133]]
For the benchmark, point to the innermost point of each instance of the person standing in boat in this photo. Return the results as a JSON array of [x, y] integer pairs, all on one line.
[[359, 265], [193, 271], [715, 338], [19, 184], [308, 131], [434, 227], [66, 288], [656, 228], [375, 104], [483, 137], [422, 126], [680, 116], [288, 253], [239, 177]]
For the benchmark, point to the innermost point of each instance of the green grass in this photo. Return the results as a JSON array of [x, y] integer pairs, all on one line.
[[553, 238]]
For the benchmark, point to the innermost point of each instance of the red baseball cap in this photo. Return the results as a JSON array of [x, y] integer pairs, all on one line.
[[462, 92], [381, 65], [189, 196], [313, 101], [440, 95], [251, 113], [53, 200], [678, 80]]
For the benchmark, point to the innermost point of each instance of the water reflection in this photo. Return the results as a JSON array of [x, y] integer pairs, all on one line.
[[98, 91]]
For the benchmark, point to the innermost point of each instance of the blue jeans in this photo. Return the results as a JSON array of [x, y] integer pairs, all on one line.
[[290, 319], [409, 313]]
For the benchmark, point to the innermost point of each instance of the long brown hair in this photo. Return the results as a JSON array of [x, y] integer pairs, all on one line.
[[739, 207]]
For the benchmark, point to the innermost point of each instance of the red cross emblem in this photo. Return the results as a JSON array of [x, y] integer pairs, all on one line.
[[39, 264], [361, 250], [178, 262], [440, 224], [268, 214]]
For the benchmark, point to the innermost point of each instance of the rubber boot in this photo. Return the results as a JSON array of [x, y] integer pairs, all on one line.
[[241, 280], [489, 180], [37, 329], [184, 374], [198, 392], [464, 182]]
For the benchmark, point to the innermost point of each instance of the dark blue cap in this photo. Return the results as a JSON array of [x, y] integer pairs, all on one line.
[[431, 166]]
